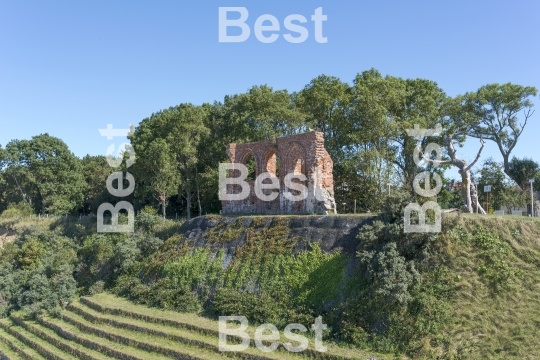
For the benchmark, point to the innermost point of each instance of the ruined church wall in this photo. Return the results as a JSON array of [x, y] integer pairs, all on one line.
[[301, 153]]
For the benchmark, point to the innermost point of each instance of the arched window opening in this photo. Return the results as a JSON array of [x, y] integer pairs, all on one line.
[[234, 172], [251, 167], [297, 169], [272, 164], [297, 166]]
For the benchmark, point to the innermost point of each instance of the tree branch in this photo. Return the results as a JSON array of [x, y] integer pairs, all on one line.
[[477, 155]]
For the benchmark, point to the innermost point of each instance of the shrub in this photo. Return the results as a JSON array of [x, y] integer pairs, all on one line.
[[147, 244], [387, 303], [147, 222], [21, 209], [392, 275], [149, 210], [494, 254], [126, 255], [64, 287], [259, 307], [37, 290], [97, 288], [30, 254]]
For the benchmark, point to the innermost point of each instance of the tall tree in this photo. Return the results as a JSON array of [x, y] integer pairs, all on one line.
[[20, 184], [156, 171], [182, 127], [365, 160], [96, 170], [267, 113], [413, 102], [512, 197], [3, 182], [325, 101], [524, 169], [51, 169], [505, 110], [460, 117], [3, 157], [492, 173]]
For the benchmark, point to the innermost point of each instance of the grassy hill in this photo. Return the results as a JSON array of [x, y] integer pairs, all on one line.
[[107, 327], [496, 306], [470, 292]]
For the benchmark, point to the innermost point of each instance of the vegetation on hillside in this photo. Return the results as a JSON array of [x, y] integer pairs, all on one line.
[[52, 260], [468, 292]]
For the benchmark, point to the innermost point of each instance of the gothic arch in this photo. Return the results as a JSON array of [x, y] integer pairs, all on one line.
[[295, 159], [253, 169], [272, 162]]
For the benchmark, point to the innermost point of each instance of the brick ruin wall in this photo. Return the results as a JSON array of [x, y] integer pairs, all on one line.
[[299, 154]]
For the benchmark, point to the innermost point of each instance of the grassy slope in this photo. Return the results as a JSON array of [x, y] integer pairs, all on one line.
[[208, 326], [83, 332], [499, 322], [490, 318], [495, 322]]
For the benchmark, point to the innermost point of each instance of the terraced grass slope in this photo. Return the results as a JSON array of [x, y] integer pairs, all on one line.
[[108, 327]]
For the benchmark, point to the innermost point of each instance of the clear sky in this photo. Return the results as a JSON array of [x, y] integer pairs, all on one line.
[[71, 67]]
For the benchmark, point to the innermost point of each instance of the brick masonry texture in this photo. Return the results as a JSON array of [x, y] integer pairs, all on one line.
[[298, 154]]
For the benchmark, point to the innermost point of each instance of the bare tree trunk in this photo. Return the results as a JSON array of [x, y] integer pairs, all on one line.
[[42, 203], [198, 192], [163, 204], [466, 190], [188, 204], [477, 207], [470, 194], [470, 198]]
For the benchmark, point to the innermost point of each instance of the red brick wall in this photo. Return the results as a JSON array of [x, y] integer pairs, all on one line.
[[300, 153]]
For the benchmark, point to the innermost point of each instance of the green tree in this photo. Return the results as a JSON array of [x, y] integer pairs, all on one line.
[[524, 169], [377, 143], [261, 114], [182, 127], [3, 158], [156, 172], [412, 102], [52, 170], [325, 101], [459, 117], [18, 182], [3, 183], [449, 197], [30, 254], [492, 173], [511, 197], [500, 107], [367, 159], [96, 170]]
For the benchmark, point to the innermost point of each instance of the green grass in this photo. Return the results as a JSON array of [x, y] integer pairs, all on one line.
[[199, 328], [6, 352], [146, 342], [62, 343], [38, 344], [108, 347], [501, 321], [13, 348]]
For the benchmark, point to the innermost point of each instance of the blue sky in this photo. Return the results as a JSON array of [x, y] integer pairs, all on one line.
[[71, 67]]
